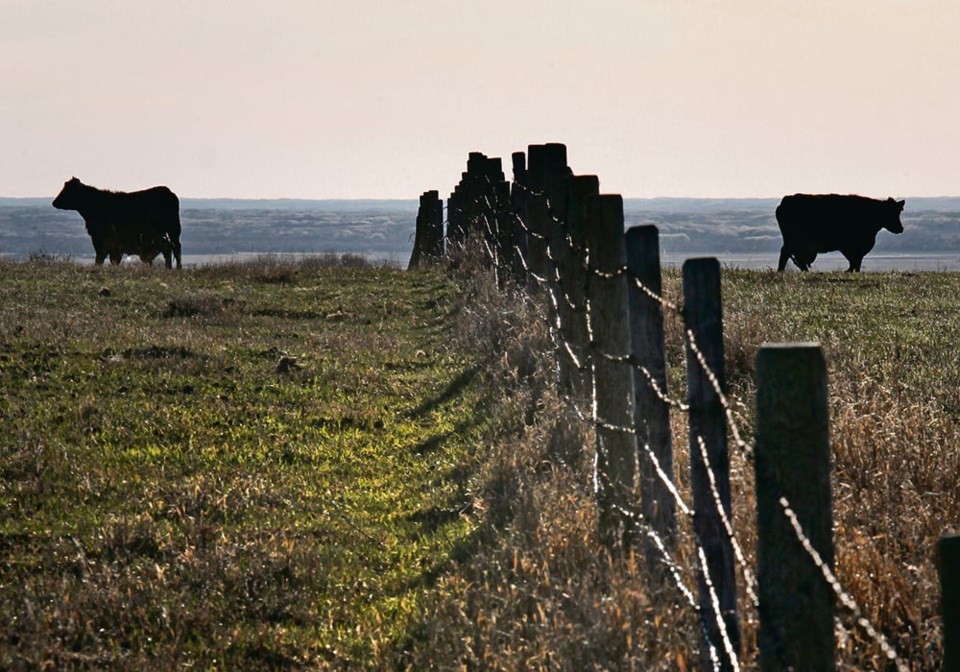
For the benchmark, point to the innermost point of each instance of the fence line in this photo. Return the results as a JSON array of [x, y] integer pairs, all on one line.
[[551, 232]]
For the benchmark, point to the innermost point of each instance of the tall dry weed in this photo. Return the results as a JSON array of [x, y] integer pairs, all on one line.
[[541, 592]]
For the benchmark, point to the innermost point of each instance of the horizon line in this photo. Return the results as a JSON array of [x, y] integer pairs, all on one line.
[[415, 198]]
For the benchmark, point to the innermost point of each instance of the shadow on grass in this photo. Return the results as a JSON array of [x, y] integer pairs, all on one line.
[[432, 444], [456, 386]]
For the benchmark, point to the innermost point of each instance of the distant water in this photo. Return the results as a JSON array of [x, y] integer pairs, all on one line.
[[945, 263], [743, 231], [834, 261], [196, 260], [218, 230]]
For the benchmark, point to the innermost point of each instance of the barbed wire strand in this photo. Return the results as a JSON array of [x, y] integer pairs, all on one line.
[[750, 581], [742, 445], [718, 613], [601, 423], [845, 598], [746, 448]]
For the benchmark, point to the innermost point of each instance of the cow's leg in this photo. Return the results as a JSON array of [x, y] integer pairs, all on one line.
[[115, 259], [99, 253], [176, 253], [854, 257], [167, 258], [784, 256]]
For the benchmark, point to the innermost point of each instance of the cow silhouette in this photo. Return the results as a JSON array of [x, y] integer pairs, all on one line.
[[143, 223], [811, 224]]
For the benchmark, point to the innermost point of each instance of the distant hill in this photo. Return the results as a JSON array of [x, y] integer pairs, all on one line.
[[279, 204], [749, 225], [295, 204], [385, 228]]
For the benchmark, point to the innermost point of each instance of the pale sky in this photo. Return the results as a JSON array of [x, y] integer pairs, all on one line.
[[384, 99]]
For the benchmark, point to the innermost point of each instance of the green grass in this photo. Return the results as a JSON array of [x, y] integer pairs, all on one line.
[[545, 595], [174, 492], [890, 344], [291, 464]]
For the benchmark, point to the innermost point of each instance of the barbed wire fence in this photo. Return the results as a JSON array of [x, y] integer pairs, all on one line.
[[552, 233]]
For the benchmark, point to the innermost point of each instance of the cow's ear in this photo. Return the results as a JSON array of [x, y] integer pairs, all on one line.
[[901, 204]]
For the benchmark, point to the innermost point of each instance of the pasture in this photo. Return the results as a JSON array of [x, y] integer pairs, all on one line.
[[244, 466], [290, 464]]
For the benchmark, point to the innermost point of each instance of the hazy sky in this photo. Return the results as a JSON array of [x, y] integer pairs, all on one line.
[[364, 99]]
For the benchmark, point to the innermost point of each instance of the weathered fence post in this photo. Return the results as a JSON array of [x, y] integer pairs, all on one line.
[[536, 215], [554, 188], [418, 237], [792, 464], [489, 175], [574, 280], [616, 464], [652, 411], [436, 249], [709, 461], [504, 232], [456, 228], [950, 600], [554, 179], [428, 239], [518, 196]]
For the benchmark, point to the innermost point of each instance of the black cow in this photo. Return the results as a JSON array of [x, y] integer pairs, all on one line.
[[145, 223], [825, 223]]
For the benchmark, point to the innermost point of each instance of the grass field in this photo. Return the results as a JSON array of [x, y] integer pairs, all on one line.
[[240, 466], [544, 596], [322, 464]]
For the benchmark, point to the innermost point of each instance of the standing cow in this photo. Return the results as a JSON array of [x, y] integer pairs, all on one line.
[[145, 223], [826, 223]]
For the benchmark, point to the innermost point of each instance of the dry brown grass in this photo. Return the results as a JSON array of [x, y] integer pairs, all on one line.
[[148, 523], [540, 591]]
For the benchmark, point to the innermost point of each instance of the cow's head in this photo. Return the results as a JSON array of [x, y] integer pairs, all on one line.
[[891, 215], [68, 198]]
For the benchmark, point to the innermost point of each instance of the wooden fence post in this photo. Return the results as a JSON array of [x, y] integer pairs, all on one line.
[[573, 280], [418, 237], [703, 315], [792, 464], [503, 223], [428, 240], [438, 250], [489, 175], [518, 197], [537, 217], [536, 162], [950, 600], [616, 463], [554, 179], [652, 412], [456, 225]]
